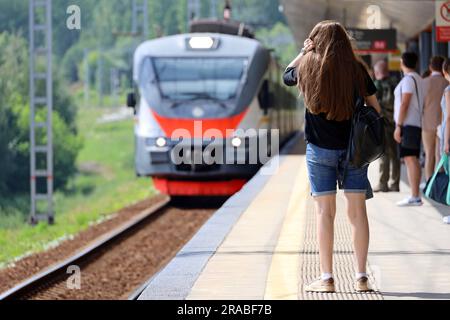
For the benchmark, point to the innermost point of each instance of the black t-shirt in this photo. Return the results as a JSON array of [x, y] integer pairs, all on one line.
[[328, 134]]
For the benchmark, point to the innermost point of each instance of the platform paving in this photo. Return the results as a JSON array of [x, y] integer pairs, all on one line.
[[262, 245]]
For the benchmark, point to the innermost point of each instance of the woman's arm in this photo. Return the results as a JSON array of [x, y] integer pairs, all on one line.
[[406, 99], [373, 102], [290, 74], [308, 46], [447, 126], [294, 63], [290, 77]]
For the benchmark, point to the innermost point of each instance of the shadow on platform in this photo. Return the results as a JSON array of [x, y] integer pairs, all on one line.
[[415, 295]]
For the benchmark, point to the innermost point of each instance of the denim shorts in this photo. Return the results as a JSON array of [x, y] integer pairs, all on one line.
[[325, 166]]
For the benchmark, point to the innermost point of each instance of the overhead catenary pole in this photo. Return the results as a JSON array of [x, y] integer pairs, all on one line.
[[100, 76], [213, 9], [114, 85], [133, 17], [193, 11], [86, 77], [139, 19], [39, 100], [145, 19]]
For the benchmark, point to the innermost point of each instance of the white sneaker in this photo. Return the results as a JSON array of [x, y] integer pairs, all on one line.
[[410, 202], [447, 220]]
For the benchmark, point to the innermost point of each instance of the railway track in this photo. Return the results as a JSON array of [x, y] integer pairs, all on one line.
[[115, 265]]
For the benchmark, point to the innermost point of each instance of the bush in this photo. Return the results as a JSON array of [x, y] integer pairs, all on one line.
[[14, 122], [66, 146]]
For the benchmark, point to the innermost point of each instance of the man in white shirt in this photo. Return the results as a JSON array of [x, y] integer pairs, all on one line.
[[408, 110]]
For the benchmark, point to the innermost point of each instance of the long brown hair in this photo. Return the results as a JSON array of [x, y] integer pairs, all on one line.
[[446, 65], [331, 74]]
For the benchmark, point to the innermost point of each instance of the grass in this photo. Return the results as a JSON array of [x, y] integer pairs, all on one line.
[[106, 183]]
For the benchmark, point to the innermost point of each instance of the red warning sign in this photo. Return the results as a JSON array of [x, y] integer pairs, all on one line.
[[443, 21], [445, 11]]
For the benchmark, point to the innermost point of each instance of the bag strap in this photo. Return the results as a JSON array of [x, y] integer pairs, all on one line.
[[417, 94], [349, 145], [418, 98], [444, 161], [447, 171]]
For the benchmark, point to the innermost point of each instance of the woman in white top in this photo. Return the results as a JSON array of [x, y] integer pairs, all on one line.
[[445, 104], [408, 109], [435, 85]]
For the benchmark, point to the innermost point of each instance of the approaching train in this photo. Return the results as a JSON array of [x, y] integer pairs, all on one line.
[[210, 85]]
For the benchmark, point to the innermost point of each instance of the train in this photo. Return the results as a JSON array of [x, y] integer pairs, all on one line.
[[215, 85]]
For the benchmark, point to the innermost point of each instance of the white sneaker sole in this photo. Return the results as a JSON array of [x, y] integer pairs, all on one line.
[[320, 290], [415, 204]]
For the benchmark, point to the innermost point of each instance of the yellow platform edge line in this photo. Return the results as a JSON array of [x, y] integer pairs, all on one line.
[[283, 277], [201, 289]]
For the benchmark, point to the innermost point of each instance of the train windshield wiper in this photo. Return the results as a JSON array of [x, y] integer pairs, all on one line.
[[199, 95], [207, 96]]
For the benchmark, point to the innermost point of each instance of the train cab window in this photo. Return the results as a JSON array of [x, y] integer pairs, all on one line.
[[189, 78]]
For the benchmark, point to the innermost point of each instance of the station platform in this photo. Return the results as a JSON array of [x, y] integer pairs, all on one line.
[[262, 245]]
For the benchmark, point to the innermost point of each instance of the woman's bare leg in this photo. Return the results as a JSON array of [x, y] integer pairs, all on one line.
[[325, 207], [357, 214]]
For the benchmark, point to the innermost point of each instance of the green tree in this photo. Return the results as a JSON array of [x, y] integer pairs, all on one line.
[[12, 88], [14, 16], [279, 38], [260, 13], [14, 120]]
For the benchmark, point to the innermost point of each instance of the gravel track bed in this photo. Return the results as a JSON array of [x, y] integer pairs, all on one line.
[[120, 268], [35, 263]]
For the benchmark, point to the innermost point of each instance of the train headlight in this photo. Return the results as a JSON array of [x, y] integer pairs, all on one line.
[[161, 142], [236, 142], [201, 43]]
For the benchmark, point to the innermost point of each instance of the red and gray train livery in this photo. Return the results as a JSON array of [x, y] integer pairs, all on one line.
[[192, 84]]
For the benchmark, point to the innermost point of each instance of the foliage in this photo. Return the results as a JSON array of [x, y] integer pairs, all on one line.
[[14, 121], [103, 153], [259, 13], [106, 183], [104, 39], [281, 40], [105, 24]]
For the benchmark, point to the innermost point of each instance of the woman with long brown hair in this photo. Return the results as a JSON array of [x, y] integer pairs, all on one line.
[[331, 79]]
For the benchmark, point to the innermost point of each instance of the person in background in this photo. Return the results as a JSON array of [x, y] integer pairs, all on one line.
[[435, 85], [389, 162], [445, 105], [408, 109], [426, 74], [227, 11]]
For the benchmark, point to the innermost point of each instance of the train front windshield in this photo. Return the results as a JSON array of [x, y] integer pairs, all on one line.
[[183, 79]]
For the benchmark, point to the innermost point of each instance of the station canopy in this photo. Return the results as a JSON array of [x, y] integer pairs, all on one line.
[[408, 17]]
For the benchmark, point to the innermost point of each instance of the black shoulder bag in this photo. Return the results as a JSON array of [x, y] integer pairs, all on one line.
[[367, 138]]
